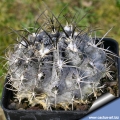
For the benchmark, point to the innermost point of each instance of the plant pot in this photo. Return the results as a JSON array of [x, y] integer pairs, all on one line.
[[51, 115]]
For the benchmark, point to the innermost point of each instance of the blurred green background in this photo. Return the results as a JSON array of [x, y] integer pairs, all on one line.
[[19, 14]]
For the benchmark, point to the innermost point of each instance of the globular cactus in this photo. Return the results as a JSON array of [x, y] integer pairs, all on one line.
[[56, 65]]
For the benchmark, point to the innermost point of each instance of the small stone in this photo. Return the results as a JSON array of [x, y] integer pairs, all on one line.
[[15, 100], [12, 106], [24, 105], [99, 94], [82, 107], [21, 109], [18, 105], [33, 108]]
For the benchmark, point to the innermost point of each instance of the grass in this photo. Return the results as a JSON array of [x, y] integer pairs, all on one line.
[[22, 14]]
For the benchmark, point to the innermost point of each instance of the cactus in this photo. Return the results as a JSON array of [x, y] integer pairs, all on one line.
[[56, 66]]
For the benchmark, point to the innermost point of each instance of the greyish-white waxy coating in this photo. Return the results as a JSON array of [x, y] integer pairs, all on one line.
[[51, 68]]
